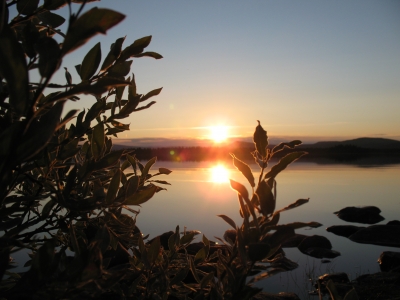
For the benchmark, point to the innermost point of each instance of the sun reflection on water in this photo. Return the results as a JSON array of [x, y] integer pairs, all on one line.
[[219, 174]]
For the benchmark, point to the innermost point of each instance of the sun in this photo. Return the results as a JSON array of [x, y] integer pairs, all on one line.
[[218, 133]]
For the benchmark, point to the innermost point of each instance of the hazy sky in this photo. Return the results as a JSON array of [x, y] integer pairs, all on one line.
[[320, 69]]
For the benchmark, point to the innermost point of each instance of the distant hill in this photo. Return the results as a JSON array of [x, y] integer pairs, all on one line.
[[365, 142]]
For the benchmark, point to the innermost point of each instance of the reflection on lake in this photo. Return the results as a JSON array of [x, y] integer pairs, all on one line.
[[200, 191], [219, 174]]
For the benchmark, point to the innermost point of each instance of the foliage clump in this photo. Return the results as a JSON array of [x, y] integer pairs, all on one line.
[[68, 198]]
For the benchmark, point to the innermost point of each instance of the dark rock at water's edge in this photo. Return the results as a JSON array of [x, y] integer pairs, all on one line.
[[394, 223], [317, 246], [389, 261], [382, 235], [339, 279], [378, 286], [314, 241], [344, 230], [321, 252], [280, 296], [293, 241], [365, 214]]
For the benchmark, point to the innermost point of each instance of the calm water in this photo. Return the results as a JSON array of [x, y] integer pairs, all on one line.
[[197, 195]]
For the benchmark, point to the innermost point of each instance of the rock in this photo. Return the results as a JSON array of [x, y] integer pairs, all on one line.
[[335, 277], [317, 246], [383, 285], [321, 252], [314, 241], [344, 230], [365, 214], [280, 296], [294, 241], [341, 281], [389, 261], [394, 222], [383, 235]]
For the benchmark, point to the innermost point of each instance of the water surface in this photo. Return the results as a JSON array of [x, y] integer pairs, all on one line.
[[195, 198]]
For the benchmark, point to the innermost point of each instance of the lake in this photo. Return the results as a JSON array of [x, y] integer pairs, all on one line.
[[200, 191]]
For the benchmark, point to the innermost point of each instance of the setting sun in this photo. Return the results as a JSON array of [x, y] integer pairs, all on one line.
[[218, 133], [219, 174]]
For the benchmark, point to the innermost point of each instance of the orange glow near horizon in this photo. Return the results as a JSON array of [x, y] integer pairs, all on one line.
[[219, 174], [218, 133]]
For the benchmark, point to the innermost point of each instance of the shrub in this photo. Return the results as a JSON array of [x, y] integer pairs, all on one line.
[[68, 198]]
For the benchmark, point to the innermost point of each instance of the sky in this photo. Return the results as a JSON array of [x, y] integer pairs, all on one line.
[[311, 70]]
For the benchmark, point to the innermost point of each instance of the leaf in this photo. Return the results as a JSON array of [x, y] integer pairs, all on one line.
[[120, 69], [119, 125], [78, 69], [149, 54], [228, 220], [39, 133], [239, 188], [154, 250], [206, 279], [131, 186], [27, 7], [94, 112], [97, 142], [30, 36], [164, 171], [293, 205], [136, 48], [54, 4], [283, 163], [265, 275], [147, 167], [141, 196], [282, 146], [49, 56], [68, 117], [90, 62], [181, 275], [205, 240], [201, 255], [14, 70], [244, 168], [113, 187], [108, 160], [114, 131], [332, 290], [100, 87], [161, 182], [187, 238], [258, 251], [115, 51], [260, 140], [151, 94], [51, 19], [266, 198], [47, 208], [193, 269], [94, 21]]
